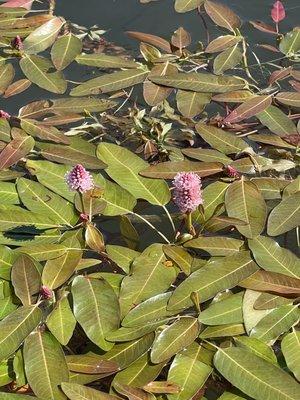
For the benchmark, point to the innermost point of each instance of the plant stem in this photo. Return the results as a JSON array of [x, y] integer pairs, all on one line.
[[170, 218], [151, 226], [51, 6]]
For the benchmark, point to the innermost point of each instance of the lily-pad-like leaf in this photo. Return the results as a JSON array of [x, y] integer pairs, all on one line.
[[285, 216], [96, 308], [61, 321], [201, 82], [45, 365], [254, 376], [215, 276], [277, 322], [244, 201], [174, 338], [16, 327], [227, 311], [188, 372], [290, 346], [226, 142], [110, 82], [41, 200], [64, 51], [36, 69], [271, 257], [124, 168]]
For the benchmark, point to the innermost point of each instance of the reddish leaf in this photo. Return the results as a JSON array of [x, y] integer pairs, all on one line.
[[295, 85], [151, 39], [279, 74], [261, 26], [278, 12], [18, 3], [15, 150], [249, 108]]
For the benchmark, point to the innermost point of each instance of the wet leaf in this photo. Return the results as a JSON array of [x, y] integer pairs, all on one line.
[[96, 308], [64, 51], [151, 39], [45, 365]]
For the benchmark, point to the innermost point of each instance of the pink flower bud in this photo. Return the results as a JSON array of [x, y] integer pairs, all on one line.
[[79, 179], [187, 191], [46, 293], [278, 12], [18, 43], [84, 217], [232, 172], [4, 114]]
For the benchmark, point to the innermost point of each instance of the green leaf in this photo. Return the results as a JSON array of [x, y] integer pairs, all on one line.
[[285, 216], [222, 15], [227, 59], [220, 331], [191, 104], [25, 219], [222, 43], [249, 108], [189, 372], [5, 130], [81, 105], [215, 276], [151, 309], [65, 50], [61, 321], [124, 168], [290, 44], [277, 121], [267, 301], [271, 257], [122, 256], [45, 365], [42, 252], [26, 279], [155, 94], [227, 311], [168, 169], [41, 200], [96, 308], [7, 74], [216, 245], [102, 60], [290, 346], [47, 133], [74, 391], [182, 6], [224, 141], [5, 373], [8, 193], [270, 188], [207, 155], [125, 334], [257, 347], [289, 98], [277, 322], [79, 151], [16, 327], [250, 314], [174, 338], [244, 201], [58, 270], [18, 148], [255, 376], [180, 256], [200, 82], [36, 69], [42, 37], [110, 82], [149, 276]]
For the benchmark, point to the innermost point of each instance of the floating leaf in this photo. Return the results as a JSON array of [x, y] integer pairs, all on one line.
[[36, 69], [174, 338], [110, 82], [222, 43], [215, 276], [102, 60], [244, 201], [290, 346], [96, 309], [285, 216], [180, 256], [216, 246], [255, 376], [43, 37], [227, 59], [222, 15], [17, 87], [65, 50], [191, 104], [182, 6], [7, 74], [249, 108], [75, 391], [16, 327], [271, 257], [290, 44], [124, 168], [11, 219], [151, 39], [155, 94], [45, 365], [289, 98], [15, 150], [48, 133], [200, 82], [277, 121]]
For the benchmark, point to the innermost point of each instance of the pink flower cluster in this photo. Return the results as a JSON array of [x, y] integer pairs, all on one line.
[[18, 43], [187, 191], [4, 114], [79, 179]]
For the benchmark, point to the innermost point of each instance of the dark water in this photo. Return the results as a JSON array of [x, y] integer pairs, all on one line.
[[160, 18]]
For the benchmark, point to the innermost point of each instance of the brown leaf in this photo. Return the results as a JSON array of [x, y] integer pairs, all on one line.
[[151, 39], [181, 38], [249, 108], [15, 150], [222, 15], [263, 27], [17, 87]]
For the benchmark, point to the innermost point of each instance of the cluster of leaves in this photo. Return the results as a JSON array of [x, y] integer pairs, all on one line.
[[107, 294]]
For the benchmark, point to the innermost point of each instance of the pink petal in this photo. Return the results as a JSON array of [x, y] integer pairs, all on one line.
[[18, 3], [278, 11]]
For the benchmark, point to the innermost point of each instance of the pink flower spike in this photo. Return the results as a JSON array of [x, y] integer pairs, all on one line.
[[187, 191], [46, 293], [18, 43], [278, 12], [79, 179], [4, 114], [232, 172]]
